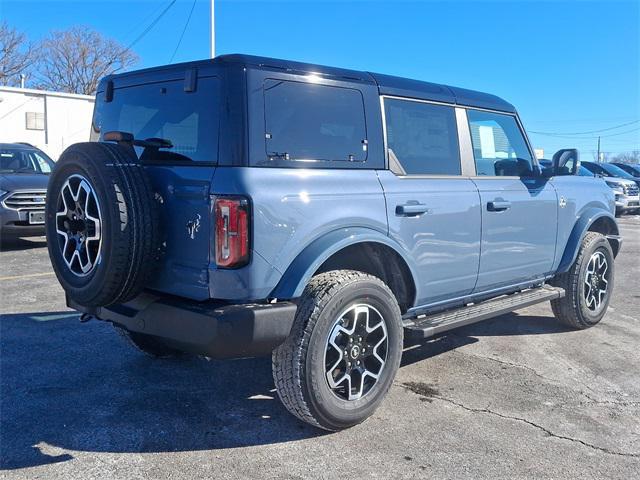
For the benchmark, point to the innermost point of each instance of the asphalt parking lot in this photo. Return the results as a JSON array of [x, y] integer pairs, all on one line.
[[518, 396]]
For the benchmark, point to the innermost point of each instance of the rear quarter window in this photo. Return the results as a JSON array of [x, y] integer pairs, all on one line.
[[190, 120], [313, 122]]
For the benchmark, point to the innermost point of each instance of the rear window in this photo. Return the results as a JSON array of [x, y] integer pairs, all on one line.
[[190, 120], [422, 138], [307, 121]]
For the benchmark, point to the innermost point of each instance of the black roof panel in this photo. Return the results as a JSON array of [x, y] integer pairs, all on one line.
[[387, 84]]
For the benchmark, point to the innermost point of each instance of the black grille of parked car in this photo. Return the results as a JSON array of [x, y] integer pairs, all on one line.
[[631, 190], [26, 200]]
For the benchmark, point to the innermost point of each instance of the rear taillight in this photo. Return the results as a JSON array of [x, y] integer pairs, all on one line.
[[232, 231]]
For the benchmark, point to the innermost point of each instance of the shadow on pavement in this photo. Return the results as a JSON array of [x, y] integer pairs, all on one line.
[[504, 325], [69, 386], [79, 387], [14, 244]]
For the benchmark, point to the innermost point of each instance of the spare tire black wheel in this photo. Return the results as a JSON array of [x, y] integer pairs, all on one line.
[[101, 224]]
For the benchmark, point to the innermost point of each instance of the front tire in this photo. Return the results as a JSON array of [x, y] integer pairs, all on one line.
[[343, 352], [588, 284]]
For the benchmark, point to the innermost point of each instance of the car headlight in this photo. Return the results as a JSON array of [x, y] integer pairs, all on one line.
[[616, 187], [2, 192]]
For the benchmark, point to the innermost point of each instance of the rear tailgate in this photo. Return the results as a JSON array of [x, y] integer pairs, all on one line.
[[173, 108]]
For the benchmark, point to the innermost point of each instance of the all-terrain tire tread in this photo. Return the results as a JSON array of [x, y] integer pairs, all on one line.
[[566, 309], [137, 225], [288, 358]]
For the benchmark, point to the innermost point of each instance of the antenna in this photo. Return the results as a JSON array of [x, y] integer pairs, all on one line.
[[213, 31]]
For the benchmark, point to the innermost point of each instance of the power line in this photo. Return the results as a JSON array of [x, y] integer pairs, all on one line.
[[590, 131], [151, 25], [193, 5], [599, 119], [557, 135], [621, 133], [142, 22]]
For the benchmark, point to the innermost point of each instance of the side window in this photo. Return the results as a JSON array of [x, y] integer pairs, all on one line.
[[499, 148], [422, 139], [307, 121]]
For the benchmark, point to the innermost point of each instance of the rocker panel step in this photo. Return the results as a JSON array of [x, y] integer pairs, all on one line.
[[425, 327]]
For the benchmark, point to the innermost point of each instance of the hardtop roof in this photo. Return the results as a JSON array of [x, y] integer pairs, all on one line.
[[387, 84]]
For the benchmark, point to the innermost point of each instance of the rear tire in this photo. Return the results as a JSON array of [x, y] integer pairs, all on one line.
[[348, 324], [588, 284]]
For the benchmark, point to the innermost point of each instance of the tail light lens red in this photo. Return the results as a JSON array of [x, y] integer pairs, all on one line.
[[232, 231]]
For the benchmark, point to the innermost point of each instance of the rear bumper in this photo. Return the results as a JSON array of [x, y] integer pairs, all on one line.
[[204, 328]]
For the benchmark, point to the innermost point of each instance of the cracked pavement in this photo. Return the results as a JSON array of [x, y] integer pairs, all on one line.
[[519, 396]]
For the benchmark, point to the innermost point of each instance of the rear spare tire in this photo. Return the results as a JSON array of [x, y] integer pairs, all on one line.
[[101, 224]]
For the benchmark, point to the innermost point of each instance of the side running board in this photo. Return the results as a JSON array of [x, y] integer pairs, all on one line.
[[427, 326]]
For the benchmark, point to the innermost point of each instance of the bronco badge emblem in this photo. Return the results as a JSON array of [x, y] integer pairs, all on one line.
[[562, 202], [193, 226]]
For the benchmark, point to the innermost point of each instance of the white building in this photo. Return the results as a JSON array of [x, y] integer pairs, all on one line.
[[49, 120]]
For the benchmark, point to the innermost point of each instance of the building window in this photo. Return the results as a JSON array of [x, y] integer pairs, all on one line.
[[35, 121]]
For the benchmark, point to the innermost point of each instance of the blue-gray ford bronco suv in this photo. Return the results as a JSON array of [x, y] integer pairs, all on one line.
[[248, 206]]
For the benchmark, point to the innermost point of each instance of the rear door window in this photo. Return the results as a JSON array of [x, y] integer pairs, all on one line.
[[422, 138], [308, 121], [190, 120]]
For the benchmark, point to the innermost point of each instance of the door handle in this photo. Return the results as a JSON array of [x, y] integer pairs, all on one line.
[[411, 209], [498, 206]]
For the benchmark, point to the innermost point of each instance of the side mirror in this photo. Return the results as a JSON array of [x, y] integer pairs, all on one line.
[[566, 162]]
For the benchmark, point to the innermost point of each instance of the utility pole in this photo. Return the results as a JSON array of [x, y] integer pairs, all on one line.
[[599, 160], [213, 31]]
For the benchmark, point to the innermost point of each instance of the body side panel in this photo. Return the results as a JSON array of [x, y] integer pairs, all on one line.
[[587, 199], [313, 256], [518, 243], [444, 242], [291, 208]]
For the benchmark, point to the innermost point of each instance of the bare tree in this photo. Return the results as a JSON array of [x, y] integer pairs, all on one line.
[[75, 60], [16, 55], [628, 157]]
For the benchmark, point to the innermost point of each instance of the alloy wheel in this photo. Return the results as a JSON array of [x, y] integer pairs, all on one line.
[[356, 352], [79, 225], [596, 281]]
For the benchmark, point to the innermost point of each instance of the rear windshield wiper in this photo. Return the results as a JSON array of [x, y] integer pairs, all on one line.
[[126, 139], [152, 146]]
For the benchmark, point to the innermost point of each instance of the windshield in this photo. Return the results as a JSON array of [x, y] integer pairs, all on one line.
[[22, 160], [583, 172], [632, 169], [615, 171], [598, 169]]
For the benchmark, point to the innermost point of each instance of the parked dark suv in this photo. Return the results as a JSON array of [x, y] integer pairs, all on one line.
[[249, 206], [24, 174]]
